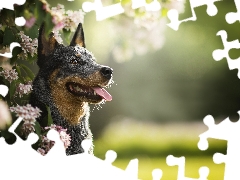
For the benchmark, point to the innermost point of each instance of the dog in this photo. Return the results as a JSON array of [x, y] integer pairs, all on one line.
[[69, 79]]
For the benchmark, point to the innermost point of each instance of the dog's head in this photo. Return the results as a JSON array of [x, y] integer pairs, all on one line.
[[72, 70]]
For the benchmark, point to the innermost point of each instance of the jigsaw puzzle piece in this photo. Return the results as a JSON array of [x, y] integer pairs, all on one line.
[[10, 138], [231, 165], [157, 174], [9, 4], [20, 21], [224, 53], [132, 169], [92, 167], [180, 162], [226, 130], [19, 156], [173, 14], [229, 131], [12, 46], [58, 149], [232, 17], [3, 90], [101, 11]]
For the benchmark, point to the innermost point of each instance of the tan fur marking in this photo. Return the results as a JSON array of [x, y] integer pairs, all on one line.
[[48, 45], [69, 107], [79, 42], [78, 55]]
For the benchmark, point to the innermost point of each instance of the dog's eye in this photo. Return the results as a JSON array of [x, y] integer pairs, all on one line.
[[74, 61]]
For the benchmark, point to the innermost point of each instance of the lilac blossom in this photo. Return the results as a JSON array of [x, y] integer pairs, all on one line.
[[68, 20], [41, 151], [30, 22], [9, 75], [58, 37], [24, 89], [28, 45], [29, 115], [66, 138], [72, 19]]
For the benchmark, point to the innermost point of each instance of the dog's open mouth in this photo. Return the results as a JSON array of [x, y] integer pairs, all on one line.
[[95, 92]]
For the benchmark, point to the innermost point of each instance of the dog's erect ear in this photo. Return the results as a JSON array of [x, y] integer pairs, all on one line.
[[78, 37], [46, 45]]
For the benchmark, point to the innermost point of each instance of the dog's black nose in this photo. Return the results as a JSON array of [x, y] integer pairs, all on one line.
[[106, 72]]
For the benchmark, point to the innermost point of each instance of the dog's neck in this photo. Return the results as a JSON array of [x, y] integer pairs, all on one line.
[[77, 132], [70, 109], [59, 110]]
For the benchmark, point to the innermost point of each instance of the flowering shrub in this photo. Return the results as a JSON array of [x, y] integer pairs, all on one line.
[[145, 30], [16, 74]]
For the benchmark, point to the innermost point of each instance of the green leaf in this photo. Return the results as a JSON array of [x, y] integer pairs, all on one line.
[[19, 73], [1, 36], [7, 17], [8, 37], [50, 120], [37, 128], [31, 59], [17, 50], [67, 34], [28, 71], [48, 24], [12, 90], [17, 68]]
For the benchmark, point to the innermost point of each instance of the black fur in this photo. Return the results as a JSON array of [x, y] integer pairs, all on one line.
[[53, 56]]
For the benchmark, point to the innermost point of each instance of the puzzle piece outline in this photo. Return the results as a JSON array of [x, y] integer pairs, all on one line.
[[229, 131], [220, 54], [232, 17], [180, 162], [173, 15]]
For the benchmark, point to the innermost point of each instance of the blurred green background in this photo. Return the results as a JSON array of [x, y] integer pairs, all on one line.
[[160, 98]]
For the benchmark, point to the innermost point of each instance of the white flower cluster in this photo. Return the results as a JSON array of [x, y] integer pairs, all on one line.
[[66, 138], [24, 89], [72, 19], [145, 34], [68, 20], [29, 115], [47, 144], [28, 45], [58, 37], [9, 75]]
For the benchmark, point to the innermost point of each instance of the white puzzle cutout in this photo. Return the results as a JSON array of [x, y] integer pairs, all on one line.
[[224, 53], [229, 131], [173, 14], [19, 21], [232, 17], [21, 157], [102, 12], [180, 162]]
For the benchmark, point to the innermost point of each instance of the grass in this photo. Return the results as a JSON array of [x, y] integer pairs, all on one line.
[[146, 165], [132, 139], [151, 143]]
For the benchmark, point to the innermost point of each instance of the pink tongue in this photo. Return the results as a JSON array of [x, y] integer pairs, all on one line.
[[102, 92]]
